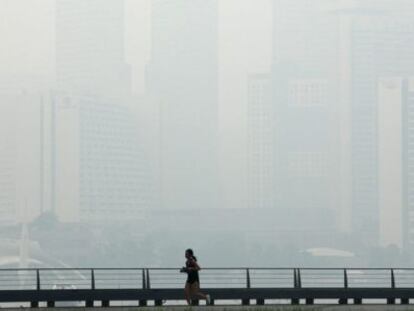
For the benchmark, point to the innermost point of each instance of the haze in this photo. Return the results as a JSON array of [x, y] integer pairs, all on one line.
[[257, 132]]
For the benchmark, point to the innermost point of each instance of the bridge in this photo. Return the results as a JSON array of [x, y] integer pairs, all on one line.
[[155, 286]]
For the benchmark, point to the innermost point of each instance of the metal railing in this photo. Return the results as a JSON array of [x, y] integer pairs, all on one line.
[[218, 278], [244, 284]]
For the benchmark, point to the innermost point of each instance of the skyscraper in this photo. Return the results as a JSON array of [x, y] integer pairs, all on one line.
[[304, 94], [21, 157], [100, 171], [390, 159], [407, 213], [90, 47], [379, 40], [183, 81], [98, 164], [395, 161], [261, 133]]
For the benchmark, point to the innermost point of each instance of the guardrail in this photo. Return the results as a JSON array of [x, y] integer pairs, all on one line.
[[245, 284]]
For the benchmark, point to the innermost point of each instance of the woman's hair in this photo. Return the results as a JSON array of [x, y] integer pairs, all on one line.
[[191, 253]]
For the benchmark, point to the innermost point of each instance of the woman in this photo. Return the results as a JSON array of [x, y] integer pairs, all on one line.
[[192, 285]]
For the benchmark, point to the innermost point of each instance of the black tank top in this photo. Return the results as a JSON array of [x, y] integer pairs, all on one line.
[[192, 275]]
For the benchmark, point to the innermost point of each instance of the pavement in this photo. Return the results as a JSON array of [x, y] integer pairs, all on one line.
[[372, 307]]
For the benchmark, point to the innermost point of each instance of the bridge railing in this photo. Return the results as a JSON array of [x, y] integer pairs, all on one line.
[[219, 278]]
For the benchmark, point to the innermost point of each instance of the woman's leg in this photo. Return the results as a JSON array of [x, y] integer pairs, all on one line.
[[187, 292], [195, 290]]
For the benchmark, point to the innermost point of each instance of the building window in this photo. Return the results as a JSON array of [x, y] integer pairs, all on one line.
[[308, 93], [308, 164]]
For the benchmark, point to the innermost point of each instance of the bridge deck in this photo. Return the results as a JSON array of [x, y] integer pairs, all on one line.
[[235, 284]]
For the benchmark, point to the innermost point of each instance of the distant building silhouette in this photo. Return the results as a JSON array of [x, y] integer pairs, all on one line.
[[98, 167], [377, 36], [22, 101], [396, 160], [183, 81], [407, 216], [90, 48], [304, 95], [262, 189]]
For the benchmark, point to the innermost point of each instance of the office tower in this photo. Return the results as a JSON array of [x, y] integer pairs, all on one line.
[[261, 158], [8, 176], [99, 170], [90, 48], [20, 156], [395, 161], [392, 107], [182, 80], [304, 94], [408, 163], [379, 43]]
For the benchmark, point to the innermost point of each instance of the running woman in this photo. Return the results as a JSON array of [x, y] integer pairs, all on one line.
[[192, 285]]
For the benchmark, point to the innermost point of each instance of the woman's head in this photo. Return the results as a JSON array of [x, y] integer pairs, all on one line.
[[189, 254]]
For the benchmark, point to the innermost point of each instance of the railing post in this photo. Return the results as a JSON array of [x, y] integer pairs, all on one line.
[[296, 284], [148, 279], [37, 279], [345, 279], [142, 302], [90, 303], [295, 279], [299, 279], [344, 301], [92, 279], [144, 282], [391, 300], [35, 304], [248, 284]]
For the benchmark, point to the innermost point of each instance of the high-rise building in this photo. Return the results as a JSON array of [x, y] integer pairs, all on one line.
[[21, 158], [297, 40], [304, 95], [261, 132], [390, 159], [90, 48], [379, 44], [408, 164], [183, 81], [8, 165], [98, 166], [396, 161]]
